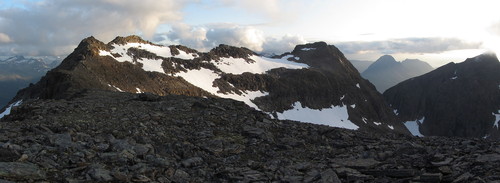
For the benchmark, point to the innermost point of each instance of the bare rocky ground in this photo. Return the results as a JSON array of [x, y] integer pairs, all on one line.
[[102, 136]]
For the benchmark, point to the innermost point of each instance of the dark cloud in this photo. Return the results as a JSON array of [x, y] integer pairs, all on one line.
[[407, 45], [54, 27], [206, 37]]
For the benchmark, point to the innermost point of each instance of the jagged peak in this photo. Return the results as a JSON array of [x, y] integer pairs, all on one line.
[[90, 45], [130, 39]]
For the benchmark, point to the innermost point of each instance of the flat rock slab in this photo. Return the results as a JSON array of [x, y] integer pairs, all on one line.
[[358, 163], [488, 158], [21, 171]]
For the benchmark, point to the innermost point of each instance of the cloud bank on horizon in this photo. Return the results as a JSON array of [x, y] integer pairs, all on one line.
[[357, 27]]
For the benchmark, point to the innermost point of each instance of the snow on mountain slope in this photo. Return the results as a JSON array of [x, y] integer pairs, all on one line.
[[497, 119], [413, 126], [259, 66], [8, 109], [335, 116], [314, 83]]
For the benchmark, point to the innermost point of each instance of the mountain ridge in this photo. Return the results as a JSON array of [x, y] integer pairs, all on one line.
[[278, 86], [457, 99]]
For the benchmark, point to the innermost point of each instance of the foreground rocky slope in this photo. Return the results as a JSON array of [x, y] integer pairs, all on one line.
[[457, 99], [103, 136], [313, 83]]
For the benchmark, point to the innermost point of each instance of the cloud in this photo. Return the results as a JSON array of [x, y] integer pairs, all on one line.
[[54, 27], [206, 37], [4, 38], [407, 45], [495, 29], [284, 44], [276, 11], [13, 77]]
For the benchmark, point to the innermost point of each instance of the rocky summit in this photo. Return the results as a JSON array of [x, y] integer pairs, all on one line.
[[457, 99], [109, 136], [314, 83]]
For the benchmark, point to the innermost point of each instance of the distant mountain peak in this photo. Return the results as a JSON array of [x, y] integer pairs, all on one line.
[[386, 59], [412, 60], [387, 72]]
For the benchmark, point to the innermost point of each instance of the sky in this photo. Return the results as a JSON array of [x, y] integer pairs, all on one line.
[[436, 31]]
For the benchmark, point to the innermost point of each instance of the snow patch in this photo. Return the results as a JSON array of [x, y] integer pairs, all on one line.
[[204, 78], [454, 77], [353, 106], [412, 126], [138, 90], [335, 116], [8, 109], [365, 120], [186, 56], [377, 123], [115, 88], [105, 53], [497, 119], [395, 112], [342, 98], [357, 85], [307, 49], [151, 65], [391, 127], [259, 66]]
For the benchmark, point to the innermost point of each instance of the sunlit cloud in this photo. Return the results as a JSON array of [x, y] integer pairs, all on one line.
[[54, 27], [4, 38], [206, 37], [407, 45]]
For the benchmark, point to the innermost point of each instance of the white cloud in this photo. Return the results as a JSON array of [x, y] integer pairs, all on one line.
[[284, 44], [4, 38], [206, 37], [495, 29], [56, 26], [245, 36]]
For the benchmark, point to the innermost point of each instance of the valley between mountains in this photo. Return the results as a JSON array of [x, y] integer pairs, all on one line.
[[134, 111]]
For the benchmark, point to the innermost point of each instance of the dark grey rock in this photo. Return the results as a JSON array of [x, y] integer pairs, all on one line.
[[192, 162], [488, 158], [463, 178], [358, 163], [21, 171], [431, 177], [329, 176], [99, 173]]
